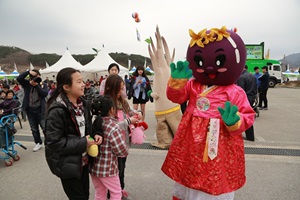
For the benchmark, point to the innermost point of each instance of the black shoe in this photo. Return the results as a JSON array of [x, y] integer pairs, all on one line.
[[252, 140]]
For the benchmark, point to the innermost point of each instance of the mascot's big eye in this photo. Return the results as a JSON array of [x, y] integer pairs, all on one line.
[[220, 60], [199, 60]]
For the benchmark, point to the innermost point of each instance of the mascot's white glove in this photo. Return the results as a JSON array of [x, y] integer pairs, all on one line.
[[154, 95]]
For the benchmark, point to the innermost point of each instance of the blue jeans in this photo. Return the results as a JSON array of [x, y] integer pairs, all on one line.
[[36, 118]]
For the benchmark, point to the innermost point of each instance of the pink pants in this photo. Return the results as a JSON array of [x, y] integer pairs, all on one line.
[[102, 184]]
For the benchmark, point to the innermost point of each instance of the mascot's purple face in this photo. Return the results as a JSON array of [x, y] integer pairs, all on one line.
[[216, 56]]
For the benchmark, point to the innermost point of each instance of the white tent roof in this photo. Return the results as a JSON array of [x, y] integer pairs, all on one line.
[[149, 70], [66, 60], [14, 73], [99, 65]]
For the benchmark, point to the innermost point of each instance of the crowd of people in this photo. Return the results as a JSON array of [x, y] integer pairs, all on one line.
[[64, 110], [70, 105], [74, 114], [255, 86]]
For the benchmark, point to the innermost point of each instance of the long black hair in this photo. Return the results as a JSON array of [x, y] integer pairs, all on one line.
[[135, 73], [112, 88], [64, 77]]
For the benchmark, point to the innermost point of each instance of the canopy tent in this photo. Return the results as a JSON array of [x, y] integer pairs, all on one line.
[[150, 70], [67, 60], [13, 75], [2, 74], [99, 65], [132, 70], [292, 76]]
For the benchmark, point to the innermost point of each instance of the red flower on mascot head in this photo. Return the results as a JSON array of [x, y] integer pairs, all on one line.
[[216, 56]]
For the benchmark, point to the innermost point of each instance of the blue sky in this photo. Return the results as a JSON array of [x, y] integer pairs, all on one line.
[[50, 26]]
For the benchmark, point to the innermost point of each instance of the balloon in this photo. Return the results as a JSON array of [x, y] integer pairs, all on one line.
[[234, 29], [135, 15], [137, 20]]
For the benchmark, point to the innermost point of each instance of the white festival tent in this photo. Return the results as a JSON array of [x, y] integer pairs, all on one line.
[[2, 74], [67, 60], [149, 70], [132, 70], [14, 74], [99, 65]]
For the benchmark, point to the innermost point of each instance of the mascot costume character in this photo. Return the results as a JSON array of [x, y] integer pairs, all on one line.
[[167, 113], [206, 158]]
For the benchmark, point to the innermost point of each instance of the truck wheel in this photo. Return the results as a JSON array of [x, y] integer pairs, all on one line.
[[272, 83]]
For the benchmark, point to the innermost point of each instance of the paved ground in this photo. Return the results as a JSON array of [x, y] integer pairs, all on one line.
[[269, 177]]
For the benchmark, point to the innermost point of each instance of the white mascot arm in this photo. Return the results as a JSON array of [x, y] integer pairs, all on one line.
[[161, 60]]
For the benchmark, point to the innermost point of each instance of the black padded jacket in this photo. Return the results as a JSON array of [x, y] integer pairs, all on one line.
[[63, 144]]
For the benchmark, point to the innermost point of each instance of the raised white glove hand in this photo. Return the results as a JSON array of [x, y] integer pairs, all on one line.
[[154, 95]]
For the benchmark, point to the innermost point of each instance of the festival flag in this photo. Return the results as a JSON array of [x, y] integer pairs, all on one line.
[[138, 36], [267, 56]]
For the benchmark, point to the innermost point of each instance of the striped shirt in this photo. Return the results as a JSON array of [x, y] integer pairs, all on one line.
[[112, 147]]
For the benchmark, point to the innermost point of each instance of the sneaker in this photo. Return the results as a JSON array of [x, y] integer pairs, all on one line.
[[265, 108], [260, 108], [37, 147]]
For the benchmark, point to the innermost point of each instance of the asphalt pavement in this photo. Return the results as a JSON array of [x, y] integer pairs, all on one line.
[[272, 161]]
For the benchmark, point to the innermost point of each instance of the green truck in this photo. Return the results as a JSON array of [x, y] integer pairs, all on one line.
[[255, 58]]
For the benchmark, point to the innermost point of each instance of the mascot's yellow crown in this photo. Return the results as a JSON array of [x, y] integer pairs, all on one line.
[[205, 37]]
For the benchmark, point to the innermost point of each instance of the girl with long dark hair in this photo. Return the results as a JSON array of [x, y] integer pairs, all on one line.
[[140, 85], [125, 115], [67, 136]]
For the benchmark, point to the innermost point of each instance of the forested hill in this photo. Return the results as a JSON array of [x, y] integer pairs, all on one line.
[[22, 58]]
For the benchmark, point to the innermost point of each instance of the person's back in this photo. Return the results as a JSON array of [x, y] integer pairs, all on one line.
[[104, 170], [263, 89], [111, 148], [247, 81], [264, 80]]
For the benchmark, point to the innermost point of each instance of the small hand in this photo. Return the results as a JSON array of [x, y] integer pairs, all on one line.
[[90, 141], [138, 114], [134, 120], [229, 114], [98, 139], [33, 73], [181, 71], [33, 83]]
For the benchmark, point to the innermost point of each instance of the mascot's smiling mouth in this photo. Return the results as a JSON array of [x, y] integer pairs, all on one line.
[[212, 75]]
